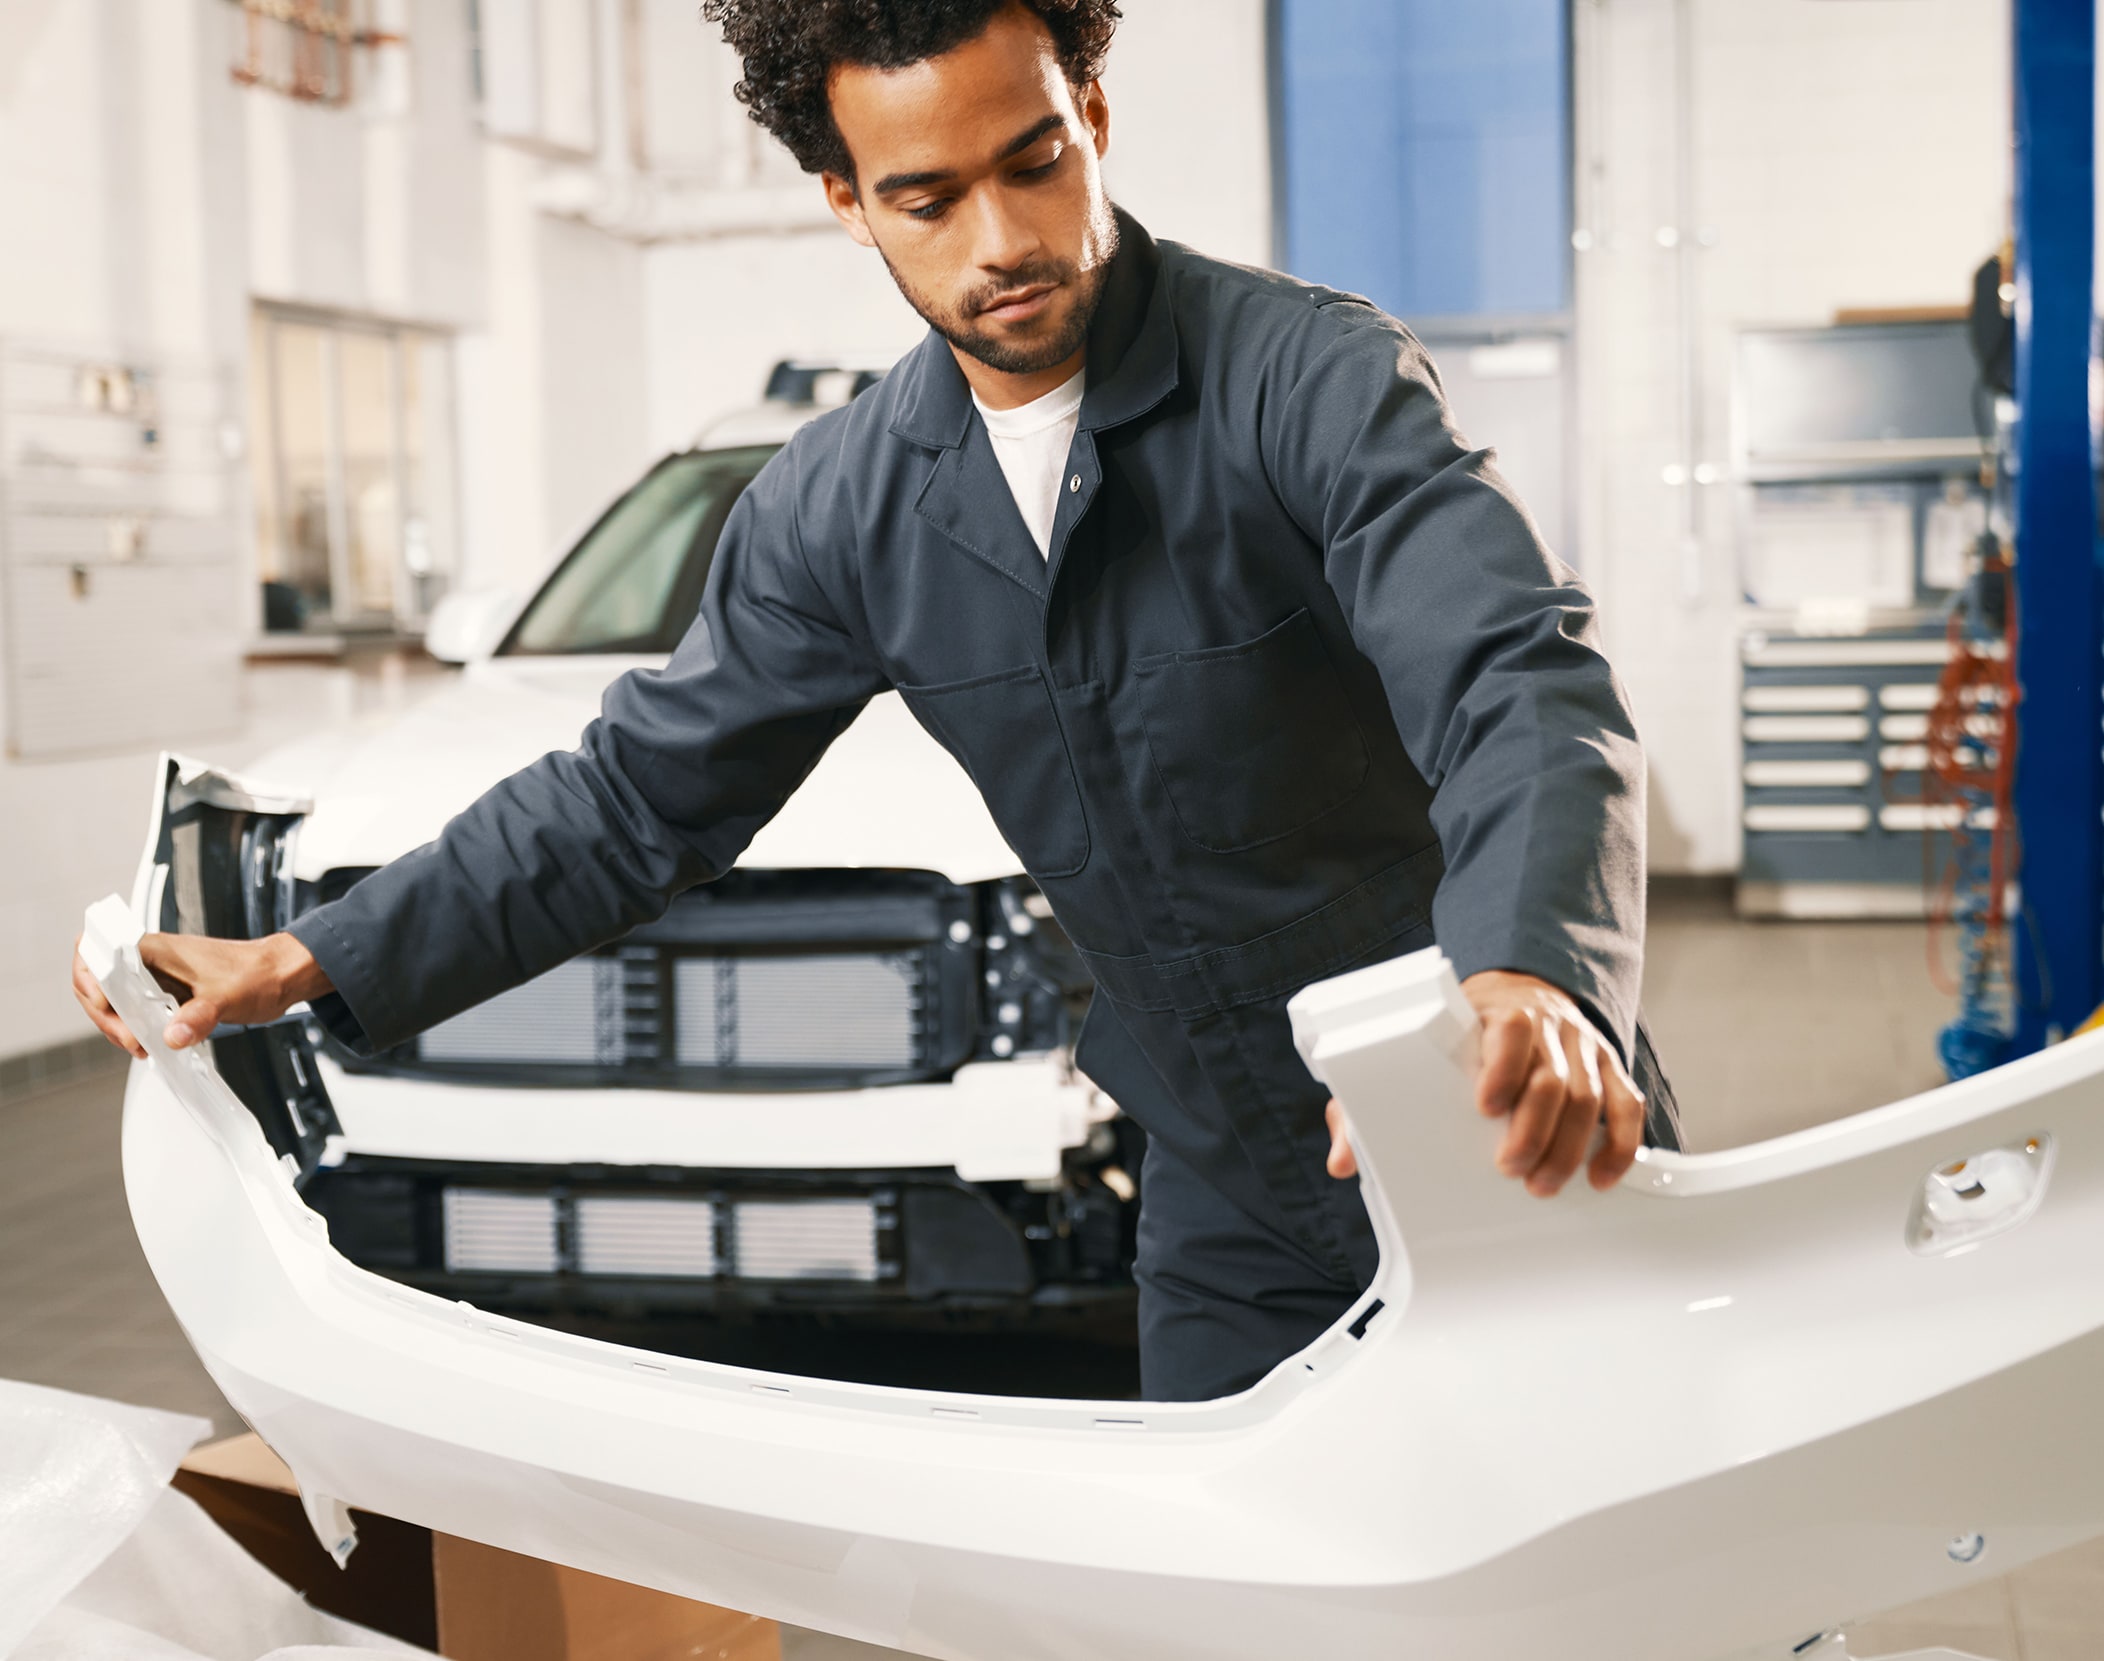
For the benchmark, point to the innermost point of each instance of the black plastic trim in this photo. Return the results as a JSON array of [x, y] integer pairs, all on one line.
[[991, 990]]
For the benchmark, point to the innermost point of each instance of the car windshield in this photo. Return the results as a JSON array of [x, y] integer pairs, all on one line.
[[633, 584]]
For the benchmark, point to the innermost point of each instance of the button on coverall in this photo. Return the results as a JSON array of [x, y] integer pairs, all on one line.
[[1297, 689]]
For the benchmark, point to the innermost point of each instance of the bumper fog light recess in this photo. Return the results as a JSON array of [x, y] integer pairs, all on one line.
[[1973, 1199]]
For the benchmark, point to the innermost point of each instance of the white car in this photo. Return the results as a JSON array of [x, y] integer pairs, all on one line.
[[837, 1083]]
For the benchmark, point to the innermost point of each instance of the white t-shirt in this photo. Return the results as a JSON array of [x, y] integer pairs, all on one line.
[[1031, 444]]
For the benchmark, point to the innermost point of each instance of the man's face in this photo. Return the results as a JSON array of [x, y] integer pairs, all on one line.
[[979, 180]]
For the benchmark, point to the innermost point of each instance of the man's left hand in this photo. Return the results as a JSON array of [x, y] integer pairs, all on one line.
[[1547, 1071]]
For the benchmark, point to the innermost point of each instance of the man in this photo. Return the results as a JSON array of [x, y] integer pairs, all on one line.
[[1262, 672]]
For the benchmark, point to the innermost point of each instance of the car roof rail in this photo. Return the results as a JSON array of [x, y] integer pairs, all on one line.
[[795, 382]]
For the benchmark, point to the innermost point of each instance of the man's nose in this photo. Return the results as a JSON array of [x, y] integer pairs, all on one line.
[[1003, 239]]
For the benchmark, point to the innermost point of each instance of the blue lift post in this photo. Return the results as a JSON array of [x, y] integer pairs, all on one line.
[[2058, 937]]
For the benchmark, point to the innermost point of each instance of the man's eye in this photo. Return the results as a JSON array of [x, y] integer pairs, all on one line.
[[928, 210], [1042, 168]]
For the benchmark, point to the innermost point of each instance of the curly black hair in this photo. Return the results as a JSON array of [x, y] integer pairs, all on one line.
[[790, 47]]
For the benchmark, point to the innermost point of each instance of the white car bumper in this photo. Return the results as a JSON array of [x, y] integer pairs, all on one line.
[[1709, 1413]]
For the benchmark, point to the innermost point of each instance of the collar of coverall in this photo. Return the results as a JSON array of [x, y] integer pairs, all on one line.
[[1131, 355]]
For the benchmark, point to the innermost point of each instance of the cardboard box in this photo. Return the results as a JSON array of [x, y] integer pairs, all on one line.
[[469, 1602], [388, 1584], [498, 1606]]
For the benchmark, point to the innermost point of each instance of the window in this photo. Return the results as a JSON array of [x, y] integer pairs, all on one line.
[[1423, 158], [1424, 153], [634, 583], [352, 470]]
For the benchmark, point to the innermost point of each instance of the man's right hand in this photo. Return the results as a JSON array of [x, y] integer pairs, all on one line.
[[245, 982]]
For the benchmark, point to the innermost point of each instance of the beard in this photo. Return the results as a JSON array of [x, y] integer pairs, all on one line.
[[1032, 353]]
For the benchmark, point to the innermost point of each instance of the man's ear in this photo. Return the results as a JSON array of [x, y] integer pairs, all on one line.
[[1095, 114], [846, 203]]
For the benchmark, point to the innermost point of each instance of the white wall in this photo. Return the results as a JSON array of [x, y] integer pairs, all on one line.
[[363, 212], [505, 535], [146, 202], [118, 233], [1190, 128], [1189, 155], [721, 313], [1848, 154], [56, 151], [592, 389]]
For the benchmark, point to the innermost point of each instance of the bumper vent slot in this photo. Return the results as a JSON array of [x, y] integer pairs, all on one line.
[[664, 1237], [490, 1231], [672, 1238], [806, 1239]]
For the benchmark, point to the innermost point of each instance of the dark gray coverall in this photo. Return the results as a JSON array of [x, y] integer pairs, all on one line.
[[1298, 689]]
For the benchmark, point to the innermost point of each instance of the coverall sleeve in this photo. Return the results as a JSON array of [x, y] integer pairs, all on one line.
[[1489, 652], [676, 775]]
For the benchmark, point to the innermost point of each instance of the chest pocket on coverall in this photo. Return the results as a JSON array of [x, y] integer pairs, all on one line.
[[1253, 742], [1002, 727]]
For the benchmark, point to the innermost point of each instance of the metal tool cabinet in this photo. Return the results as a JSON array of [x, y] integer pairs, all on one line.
[[1831, 743], [1863, 423]]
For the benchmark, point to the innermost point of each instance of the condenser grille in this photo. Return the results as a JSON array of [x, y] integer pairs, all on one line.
[[806, 1239], [818, 1011], [634, 1235], [862, 1011], [494, 1232], [573, 1014]]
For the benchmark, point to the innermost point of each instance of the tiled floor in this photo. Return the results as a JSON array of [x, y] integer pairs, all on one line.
[[1769, 1027], [1764, 1028], [78, 1306], [2051, 1610]]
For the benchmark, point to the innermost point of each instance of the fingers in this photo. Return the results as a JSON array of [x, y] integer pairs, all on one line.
[[88, 989], [1625, 1128], [1547, 1065], [1560, 1105], [92, 999], [195, 1020], [1342, 1162], [183, 966], [1560, 1083], [1576, 1086], [1508, 1062], [1579, 1117], [1540, 1106], [213, 982], [163, 956]]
